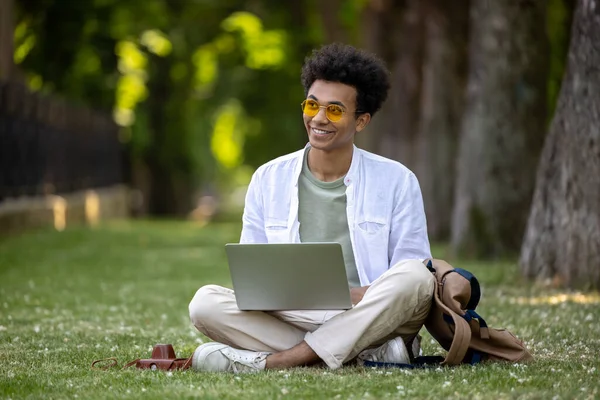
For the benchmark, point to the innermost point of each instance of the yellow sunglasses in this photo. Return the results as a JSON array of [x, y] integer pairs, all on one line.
[[333, 112]]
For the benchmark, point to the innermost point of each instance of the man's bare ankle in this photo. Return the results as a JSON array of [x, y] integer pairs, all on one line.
[[275, 361], [299, 355]]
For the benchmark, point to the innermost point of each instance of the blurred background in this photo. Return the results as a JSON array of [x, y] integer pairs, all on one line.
[[131, 108]]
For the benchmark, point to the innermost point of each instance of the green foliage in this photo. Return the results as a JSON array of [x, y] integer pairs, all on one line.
[[350, 13], [204, 90], [117, 290], [200, 88], [71, 51]]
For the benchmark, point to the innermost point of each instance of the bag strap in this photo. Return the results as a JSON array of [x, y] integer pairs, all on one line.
[[421, 362], [188, 363], [475, 288], [114, 363], [131, 363], [484, 332], [459, 348], [462, 333]]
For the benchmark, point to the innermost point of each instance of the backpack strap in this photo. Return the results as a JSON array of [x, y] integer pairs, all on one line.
[[462, 330], [421, 362], [462, 333], [484, 332], [470, 312], [475, 288]]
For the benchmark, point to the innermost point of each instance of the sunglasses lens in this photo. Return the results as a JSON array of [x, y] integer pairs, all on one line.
[[334, 112], [310, 107]]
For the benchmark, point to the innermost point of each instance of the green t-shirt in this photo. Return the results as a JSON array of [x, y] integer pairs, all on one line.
[[322, 215]]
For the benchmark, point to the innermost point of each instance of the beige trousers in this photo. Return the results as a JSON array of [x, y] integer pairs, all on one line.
[[396, 304]]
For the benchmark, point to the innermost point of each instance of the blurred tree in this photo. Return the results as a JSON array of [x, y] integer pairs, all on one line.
[[201, 105], [395, 31], [67, 47], [441, 108], [562, 240], [503, 126], [558, 26], [272, 96], [424, 44], [6, 39], [331, 20], [170, 166]]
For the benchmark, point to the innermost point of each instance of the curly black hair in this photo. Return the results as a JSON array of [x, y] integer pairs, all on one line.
[[351, 66]]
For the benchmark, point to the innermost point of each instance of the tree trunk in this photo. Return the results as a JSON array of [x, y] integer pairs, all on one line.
[[6, 39], [332, 27], [161, 195], [562, 240], [394, 31], [503, 127], [167, 157], [444, 76]]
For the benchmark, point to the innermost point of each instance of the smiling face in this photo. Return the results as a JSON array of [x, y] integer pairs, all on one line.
[[334, 136]]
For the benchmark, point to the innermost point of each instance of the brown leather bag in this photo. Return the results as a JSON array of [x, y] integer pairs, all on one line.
[[455, 324], [163, 358]]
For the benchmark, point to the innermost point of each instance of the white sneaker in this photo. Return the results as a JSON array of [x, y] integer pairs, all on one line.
[[393, 352], [218, 357]]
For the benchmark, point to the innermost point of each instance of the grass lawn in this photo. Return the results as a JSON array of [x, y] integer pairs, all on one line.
[[68, 298]]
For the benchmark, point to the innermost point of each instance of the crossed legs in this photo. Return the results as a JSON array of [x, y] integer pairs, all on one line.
[[396, 304]]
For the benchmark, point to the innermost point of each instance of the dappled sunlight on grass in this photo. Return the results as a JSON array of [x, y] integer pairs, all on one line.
[[577, 298]]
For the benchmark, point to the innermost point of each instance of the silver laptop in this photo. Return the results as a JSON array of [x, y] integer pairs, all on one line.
[[290, 276]]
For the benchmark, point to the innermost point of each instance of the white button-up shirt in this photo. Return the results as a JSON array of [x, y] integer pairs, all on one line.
[[384, 207]]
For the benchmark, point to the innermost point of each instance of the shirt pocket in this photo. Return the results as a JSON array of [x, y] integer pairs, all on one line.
[[372, 240], [276, 230], [372, 227], [375, 235]]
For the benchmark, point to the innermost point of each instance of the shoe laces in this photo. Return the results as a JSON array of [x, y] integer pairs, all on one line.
[[244, 363]]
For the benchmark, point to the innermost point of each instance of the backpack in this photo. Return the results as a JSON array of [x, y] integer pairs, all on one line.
[[457, 327]]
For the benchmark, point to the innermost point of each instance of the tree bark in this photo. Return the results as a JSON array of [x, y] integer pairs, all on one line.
[[503, 127], [562, 240], [394, 31], [444, 77]]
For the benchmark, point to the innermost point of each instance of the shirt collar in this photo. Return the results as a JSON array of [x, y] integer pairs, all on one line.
[[351, 176]]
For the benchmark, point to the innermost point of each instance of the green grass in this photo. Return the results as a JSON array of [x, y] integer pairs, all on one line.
[[68, 298]]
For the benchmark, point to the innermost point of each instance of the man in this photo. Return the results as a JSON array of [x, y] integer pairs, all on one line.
[[330, 191]]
